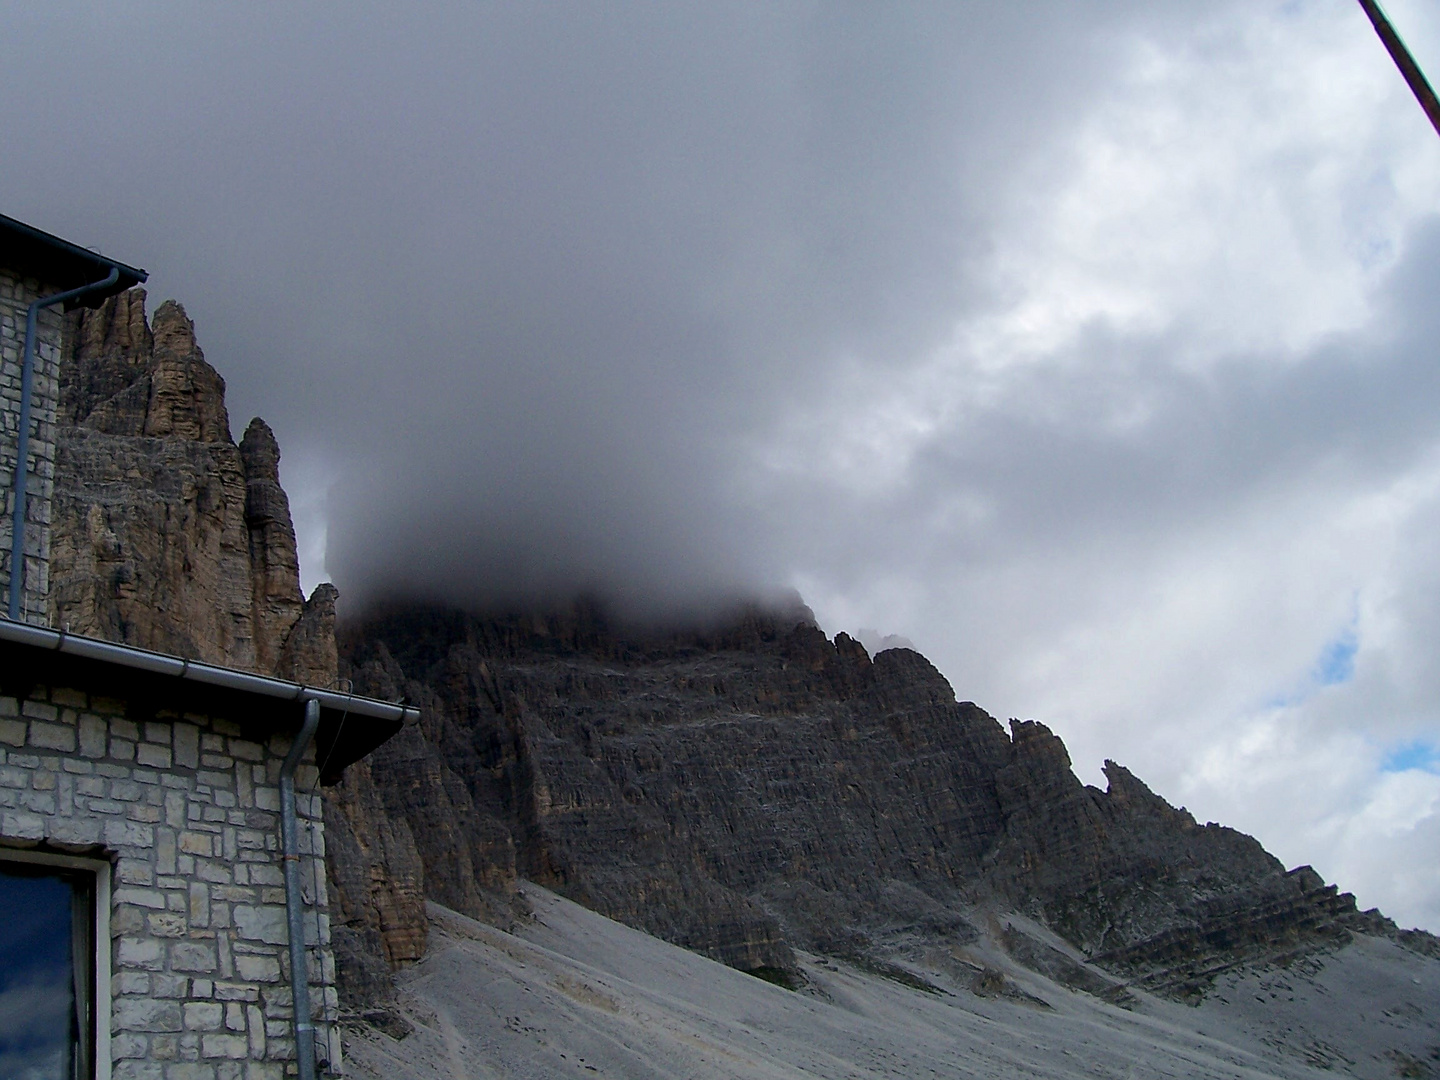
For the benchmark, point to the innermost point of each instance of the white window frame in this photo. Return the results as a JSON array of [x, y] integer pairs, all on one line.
[[101, 869]]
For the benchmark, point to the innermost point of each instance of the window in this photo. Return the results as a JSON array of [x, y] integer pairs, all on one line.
[[54, 980]]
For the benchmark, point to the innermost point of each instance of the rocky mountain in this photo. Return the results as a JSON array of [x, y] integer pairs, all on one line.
[[166, 534], [748, 788], [754, 788]]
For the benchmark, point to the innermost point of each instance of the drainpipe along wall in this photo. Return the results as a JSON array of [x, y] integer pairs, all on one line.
[[22, 449], [294, 901]]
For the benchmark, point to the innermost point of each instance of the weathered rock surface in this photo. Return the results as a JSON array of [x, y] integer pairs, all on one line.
[[745, 789], [754, 788], [166, 534]]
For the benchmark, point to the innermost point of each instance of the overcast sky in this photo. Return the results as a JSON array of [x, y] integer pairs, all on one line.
[[1092, 347]]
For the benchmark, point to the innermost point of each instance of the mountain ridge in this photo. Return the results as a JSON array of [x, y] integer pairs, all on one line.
[[746, 787]]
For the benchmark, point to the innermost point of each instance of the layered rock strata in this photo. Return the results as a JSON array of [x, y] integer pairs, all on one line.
[[744, 789], [753, 788]]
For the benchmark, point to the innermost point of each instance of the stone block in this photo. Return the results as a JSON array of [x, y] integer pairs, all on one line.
[[264, 923], [256, 1022], [125, 1045], [19, 825], [122, 749], [146, 1014], [42, 802], [75, 830], [140, 897], [52, 736], [204, 1015], [167, 924], [264, 969], [93, 731], [249, 751], [141, 952], [39, 710], [12, 732], [138, 1070], [227, 1046], [90, 785], [129, 834], [193, 956], [135, 872], [187, 745], [149, 754], [130, 982], [236, 991], [199, 904], [169, 986]]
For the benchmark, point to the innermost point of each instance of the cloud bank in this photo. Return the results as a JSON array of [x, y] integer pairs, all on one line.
[[1088, 346]]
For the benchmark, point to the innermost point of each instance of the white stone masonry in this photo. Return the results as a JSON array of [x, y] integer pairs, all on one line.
[[187, 810], [15, 298]]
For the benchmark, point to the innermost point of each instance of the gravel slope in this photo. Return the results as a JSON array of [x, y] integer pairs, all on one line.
[[573, 993]]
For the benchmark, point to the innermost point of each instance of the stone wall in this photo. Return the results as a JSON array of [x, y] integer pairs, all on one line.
[[186, 809], [15, 296]]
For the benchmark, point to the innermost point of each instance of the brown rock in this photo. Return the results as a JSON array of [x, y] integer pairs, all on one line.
[[187, 395], [308, 655], [110, 351], [274, 564], [165, 534]]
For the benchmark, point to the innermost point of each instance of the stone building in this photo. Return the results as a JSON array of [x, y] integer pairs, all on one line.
[[35, 266], [162, 881]]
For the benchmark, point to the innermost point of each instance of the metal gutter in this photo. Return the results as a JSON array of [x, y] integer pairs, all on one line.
[[294, 901], [48, 255], [153, 663]]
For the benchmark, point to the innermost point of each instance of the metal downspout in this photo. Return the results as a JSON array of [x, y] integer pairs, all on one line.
[[294, 902], [22, 448]]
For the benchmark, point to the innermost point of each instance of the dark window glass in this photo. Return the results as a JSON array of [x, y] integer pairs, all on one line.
[[45, 973]]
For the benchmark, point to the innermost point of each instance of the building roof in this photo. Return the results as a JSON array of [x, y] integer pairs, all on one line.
[[153, 683], [57, 262]]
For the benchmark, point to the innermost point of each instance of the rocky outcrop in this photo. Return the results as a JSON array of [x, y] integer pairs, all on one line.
[[168, 536], [752, 788], [745, 788], [276, 601]]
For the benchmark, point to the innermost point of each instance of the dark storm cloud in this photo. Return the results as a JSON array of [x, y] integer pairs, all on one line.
[[529, 273], [1054, 336]]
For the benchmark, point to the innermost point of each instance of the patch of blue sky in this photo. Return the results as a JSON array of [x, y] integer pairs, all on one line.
[[1333, 667], [1337, 660], [1419, 754]]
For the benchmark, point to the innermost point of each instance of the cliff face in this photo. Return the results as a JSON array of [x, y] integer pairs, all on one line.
[[169, 536], [753, 788], [744, 789], [166, 534]]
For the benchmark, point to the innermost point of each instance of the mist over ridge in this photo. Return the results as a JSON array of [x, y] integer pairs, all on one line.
[[1088, 346]]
